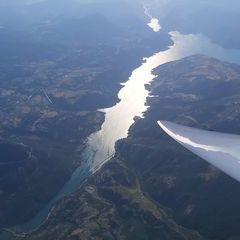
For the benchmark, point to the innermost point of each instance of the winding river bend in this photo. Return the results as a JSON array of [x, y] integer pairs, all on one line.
[[120, 117]]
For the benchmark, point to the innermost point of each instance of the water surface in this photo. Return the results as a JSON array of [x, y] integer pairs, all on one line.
[[154, 23]]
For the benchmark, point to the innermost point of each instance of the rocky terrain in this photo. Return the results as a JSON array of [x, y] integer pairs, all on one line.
[[52, 83], [153, 188], [61, 61]]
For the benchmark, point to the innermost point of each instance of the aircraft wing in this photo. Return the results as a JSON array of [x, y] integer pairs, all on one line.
[[219, 149]]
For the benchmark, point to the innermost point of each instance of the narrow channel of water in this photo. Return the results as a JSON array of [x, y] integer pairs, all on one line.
[[154, 23], [120, 117]]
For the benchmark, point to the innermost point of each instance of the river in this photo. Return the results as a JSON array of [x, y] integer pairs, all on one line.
[[119, 118]]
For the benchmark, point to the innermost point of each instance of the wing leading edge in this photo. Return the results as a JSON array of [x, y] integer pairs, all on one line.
[[219, 149]]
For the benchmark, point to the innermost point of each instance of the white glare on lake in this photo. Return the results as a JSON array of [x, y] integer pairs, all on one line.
[[155, 25], [133, 95]]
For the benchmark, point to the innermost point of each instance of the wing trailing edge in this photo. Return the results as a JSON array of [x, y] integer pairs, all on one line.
[[219, 149]]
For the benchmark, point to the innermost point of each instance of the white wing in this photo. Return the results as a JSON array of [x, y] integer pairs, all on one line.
[[220, 149]]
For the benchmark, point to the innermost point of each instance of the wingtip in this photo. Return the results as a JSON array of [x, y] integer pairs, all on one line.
[[162, 123], [167, 127]]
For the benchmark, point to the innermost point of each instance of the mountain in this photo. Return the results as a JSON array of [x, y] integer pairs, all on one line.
[[201, 17], [153, 188], [54, 76]]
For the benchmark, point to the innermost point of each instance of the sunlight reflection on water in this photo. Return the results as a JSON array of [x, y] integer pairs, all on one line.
[[155, 25], [133, 95]]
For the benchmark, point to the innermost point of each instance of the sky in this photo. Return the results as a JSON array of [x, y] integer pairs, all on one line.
[[216, 19]]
